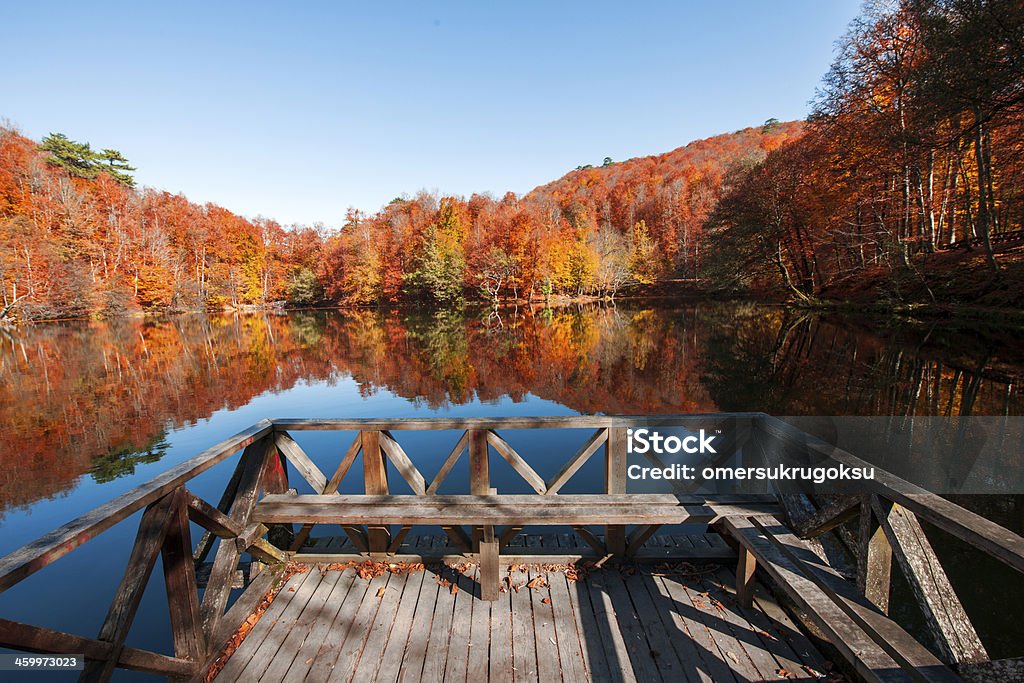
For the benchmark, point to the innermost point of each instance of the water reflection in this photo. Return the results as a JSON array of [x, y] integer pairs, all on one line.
[[100, 398]]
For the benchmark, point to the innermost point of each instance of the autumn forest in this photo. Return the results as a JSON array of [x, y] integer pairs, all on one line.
[[905, 184]]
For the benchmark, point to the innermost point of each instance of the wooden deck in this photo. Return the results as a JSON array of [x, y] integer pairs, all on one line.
[[662, 607], [634, 622]]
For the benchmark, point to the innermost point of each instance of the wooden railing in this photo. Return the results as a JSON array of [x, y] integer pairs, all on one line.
[[201, 628], [889, 528], [887, 531]]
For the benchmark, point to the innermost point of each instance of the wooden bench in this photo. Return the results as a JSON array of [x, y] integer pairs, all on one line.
[[647, 512], [875, 645]]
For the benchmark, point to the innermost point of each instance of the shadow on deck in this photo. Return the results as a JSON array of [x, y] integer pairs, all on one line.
[[632, 622]]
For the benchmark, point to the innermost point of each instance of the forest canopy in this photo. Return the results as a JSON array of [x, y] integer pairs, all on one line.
[[915, 144]]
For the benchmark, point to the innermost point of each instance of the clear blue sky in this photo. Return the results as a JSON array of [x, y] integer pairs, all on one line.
[[298, 110]]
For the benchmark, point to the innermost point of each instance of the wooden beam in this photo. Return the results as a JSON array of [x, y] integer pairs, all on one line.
[[615, 483], [913, 657], [180, 582], [577, 461], [449, 463], [403, 464], [215, 597], [521, 467], [877, 648], [839, 510], [249, 536], [745, 566], [590, 539], [210, 518], [302, 463], [275, 480], [459, 538], [874, 561], [496, 509], [375, 481], [975, 530], [148, 541], [396, 542], [357, 537], [331, 486], [640, 536], [39, 553], [489, 566], [263, 550], [241, 609], [479, 473], [944, 615], [345, 465], [30, 638], [206, 541]]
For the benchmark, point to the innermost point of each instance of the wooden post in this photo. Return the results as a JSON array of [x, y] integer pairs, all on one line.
[[180, 581], [490, 567], [275, 480], [945, 617], [148, 541], [874, 561], [745, 567], [218, 587], [375, 478], [615, 482], [479, 473]]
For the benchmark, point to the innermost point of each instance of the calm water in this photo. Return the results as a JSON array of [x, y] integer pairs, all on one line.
[[89, 410]]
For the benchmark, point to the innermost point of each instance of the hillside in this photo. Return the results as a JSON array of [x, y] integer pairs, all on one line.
[[673, 193]]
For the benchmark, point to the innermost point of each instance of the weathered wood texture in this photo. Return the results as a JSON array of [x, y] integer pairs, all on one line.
[[975, 530], [497, 509], [633, 625], [875, 646], [525, 549], [32, 557]]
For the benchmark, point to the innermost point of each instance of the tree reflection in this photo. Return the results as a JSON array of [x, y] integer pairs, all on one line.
[[99, 397]]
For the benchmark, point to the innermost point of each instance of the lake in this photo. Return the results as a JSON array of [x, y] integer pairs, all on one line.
[[90, 409]]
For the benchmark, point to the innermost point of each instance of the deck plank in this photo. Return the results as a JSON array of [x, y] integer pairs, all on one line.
[[629, 623], [391, 659], [323, 660], [459, 649], [524, 647], [714, 661], [380, 630], [549, 666], [707, 614], [352, 649], [678, 631], [500, 625], [436, 654], [661, 649], [619, 665], [311, 613], [306, 655], [419, 630], [243, 654], [567, 629], [276, 628], [478, 656], [788, 661], [634, 636], [743, 632]]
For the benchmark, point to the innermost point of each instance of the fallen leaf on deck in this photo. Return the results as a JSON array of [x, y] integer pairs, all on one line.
[[380, 592]]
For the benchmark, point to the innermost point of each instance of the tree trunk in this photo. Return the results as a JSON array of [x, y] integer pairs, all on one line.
[[984, 219]]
